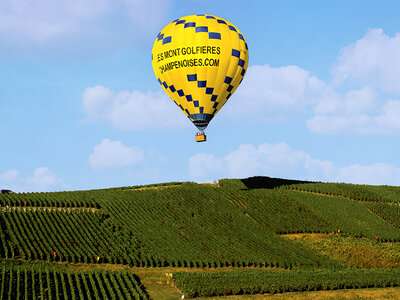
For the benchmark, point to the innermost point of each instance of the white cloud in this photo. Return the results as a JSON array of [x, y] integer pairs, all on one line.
[[114, 155], [269, 93], [379, 174], [347, 117], [42, 180], [203, 164], [373, 60], [132, 110], [280, 160], [97, 102], [359, 101]]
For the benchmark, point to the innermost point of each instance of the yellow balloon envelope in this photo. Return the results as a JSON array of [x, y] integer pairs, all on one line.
[[200, 60]]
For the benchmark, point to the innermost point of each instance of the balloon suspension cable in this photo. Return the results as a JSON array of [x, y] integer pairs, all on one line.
[[201, 136]]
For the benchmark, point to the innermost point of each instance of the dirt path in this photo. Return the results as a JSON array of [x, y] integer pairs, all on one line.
[[171, 186], [375, 293], [50, 208], [340, 196], [322, 194]]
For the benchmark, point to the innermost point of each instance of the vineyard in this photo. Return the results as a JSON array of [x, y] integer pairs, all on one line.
[[239, 224], [46, 281]]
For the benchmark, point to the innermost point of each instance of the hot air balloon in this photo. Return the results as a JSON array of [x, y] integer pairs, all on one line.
[[200, 60]]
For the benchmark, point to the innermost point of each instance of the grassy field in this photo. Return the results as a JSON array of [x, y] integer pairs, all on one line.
[[352, 252], [123, 241], [383, 293]]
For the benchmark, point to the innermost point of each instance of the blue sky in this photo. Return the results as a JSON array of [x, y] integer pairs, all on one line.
[[320, 100]]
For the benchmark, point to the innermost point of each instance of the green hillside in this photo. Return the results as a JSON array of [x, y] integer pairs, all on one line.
[[239, 224]]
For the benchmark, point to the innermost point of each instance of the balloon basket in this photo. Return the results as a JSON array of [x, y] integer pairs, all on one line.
[[201, 137]]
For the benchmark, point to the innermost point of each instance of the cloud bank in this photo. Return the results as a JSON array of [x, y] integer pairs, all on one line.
[[373, 63], [280, 160], [42, 180], [132, 110], [370, 66]]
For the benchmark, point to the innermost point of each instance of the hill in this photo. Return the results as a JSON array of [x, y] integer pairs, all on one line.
[[259, 222]]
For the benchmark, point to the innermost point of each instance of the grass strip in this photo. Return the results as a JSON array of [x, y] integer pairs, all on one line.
[[196, 284]]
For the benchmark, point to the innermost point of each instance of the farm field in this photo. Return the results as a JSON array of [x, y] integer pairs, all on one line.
[[257, 235]]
